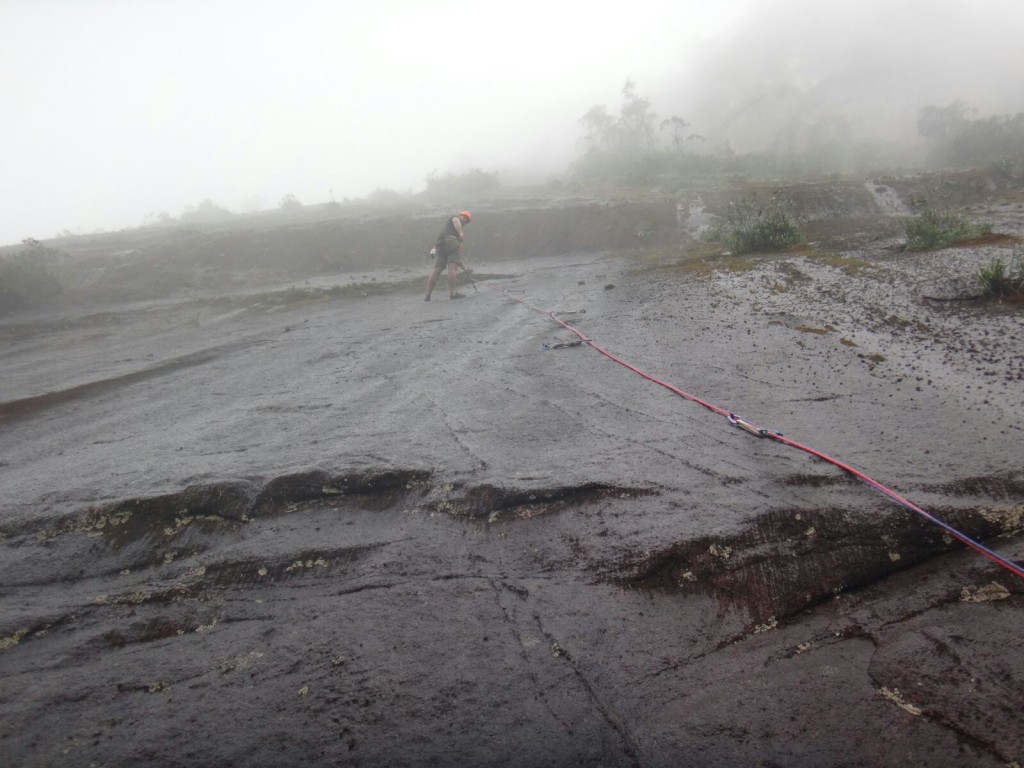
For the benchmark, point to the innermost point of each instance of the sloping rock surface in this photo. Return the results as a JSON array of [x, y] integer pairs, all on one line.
[[322, 527]]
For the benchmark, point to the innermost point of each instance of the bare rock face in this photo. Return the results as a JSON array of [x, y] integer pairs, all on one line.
[[311, 525]]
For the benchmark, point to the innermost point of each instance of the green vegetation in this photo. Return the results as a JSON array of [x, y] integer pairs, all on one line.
[[633, 129], [936, 229], [634, 149], [999, 279], [750, 227], [206, 211], [381, 196], [462, 186], [995, 142], [623, 149], [30, 276], [290, 204]]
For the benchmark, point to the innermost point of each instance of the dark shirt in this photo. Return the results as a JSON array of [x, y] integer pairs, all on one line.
[[449, 227]]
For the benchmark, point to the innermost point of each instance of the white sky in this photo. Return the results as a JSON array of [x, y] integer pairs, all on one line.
[[113, 109]]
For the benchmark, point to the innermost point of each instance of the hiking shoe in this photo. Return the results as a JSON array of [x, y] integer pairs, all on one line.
[[457, 296]]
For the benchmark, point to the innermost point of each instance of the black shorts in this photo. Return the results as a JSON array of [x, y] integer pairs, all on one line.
[[447, 249]]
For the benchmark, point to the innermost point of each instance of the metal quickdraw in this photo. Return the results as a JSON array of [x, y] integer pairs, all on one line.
[[753, 429]]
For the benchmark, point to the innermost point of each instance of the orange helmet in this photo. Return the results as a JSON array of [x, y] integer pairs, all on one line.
[[466, 215]]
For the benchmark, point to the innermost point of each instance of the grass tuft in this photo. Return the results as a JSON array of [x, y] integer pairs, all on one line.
[[1000, 279], [935, 229], [750, 227]]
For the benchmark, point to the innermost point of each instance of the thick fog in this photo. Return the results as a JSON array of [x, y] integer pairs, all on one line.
[[114, 110]]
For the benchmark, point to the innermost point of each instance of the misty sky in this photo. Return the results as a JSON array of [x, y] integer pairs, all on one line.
[[113, 109]]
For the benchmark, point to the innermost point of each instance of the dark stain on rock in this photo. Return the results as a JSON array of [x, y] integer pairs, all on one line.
[[1005, 486], [819, 481], [28, 407], [496, 503], [790, 560], [383, 487]]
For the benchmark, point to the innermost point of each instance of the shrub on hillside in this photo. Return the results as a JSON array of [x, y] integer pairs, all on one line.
[[462, 186], [30, 276], [381, 196], [290, 204], [962, 141], [751, 227], [205, 211], [937, 229]]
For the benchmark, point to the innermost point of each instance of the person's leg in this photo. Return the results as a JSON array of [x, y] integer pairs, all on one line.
[[440, 262], [452, 276], [433, 279]]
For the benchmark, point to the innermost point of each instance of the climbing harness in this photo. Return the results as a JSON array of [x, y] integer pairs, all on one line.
[[762, 432]]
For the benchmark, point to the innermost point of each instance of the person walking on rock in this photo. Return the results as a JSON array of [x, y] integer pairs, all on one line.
[[447, 251]]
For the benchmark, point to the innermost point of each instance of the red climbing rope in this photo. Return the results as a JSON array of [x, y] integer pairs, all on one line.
[[747, 426]]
